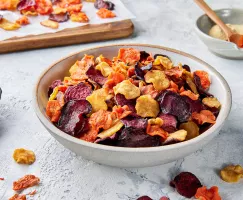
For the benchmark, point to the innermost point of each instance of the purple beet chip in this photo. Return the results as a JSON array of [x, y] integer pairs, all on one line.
[[139, 72], [77, 92], [186, 184], [195, 105], [169, 122], [25, 4], [143, 56], [186, 67], [62, 17], [144, 198], [72, 120], [104, 4], [200, 89], [122, 101], [111, 141], [135, 122], [53, 85], [155, 56], [96, 76]]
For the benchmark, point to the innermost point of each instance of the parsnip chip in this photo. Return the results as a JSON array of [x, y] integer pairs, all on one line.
[[8, 26], [97, 100], [104, 68], [126, 88], [59, 10], [211, 102], [79, 17], [146, 106], [109, 132], [50, 24], [29, 12], [158, 79], [54, 94], [164, 61], [232, 173], [23, 156], [156, 121]]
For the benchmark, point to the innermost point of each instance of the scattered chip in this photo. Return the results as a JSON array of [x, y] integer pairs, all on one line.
[[8, 4], [8, 26], [126, 88], [23, 21], [208, 194], [24, 156], [26, 5], [158, 79], [79, 17], [61, 17], [211, 102], [231, 173], [50, 24], [1, 179], [25, 182], [18, 197], [97, 100]]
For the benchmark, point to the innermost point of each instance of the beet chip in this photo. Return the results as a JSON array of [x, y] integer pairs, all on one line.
[[25, 4], [72, 120], [186, 67], [96, 76], [143, 56], [155, 56], [53, 85], [111, 141], [169, 123], [122, 101], [132, 137], [200, 89], [186, 184], [77, 92], [195, 105], [135, 122], [104, 4], [174, 104], [144, 198], [62, 17]]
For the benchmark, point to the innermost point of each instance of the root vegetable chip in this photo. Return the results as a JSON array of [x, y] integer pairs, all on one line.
[[122, 101], [175, 71], [205, 116], [62, 17], [158, 79], [25, 182], [149, 89], [211, 102], [23, 156], [126, 88], [154, 128], [1, 179], [204, 79], [104, 68], [54, 94], [105, 13], [50, 24], [146, 106], [169, 122], [208, 194], [190, 94], [90, 135], [173, 87], [74, 8], [18, 197], [59, 10], [111, 131], [164, 61], [8, 4], [96, 76], [26, 5], [53, 110], [231, 173], [135, 122], [113, 79], [97, 100], [144, 198], [79, 17], [101, 58], [121, 112], [44, 7], [129, 55], [23, 21], [8, 26], [178, 136], [53, 86], [104, 4], [200, 89], [191, 128]]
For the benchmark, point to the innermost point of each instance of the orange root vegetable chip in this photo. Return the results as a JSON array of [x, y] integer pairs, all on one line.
[[204, 78], [74, 8], [113, 79], [18, 197], [79, 17], [149, 89], [59, 10], [53, 110], [29, 12], [131, 72], [105, 13], [205, 116], [111, 131], [8, 4], [153, 130], [158, 79], [129, 55], [182, 89], [101, 58], [25, 182], [163, 61], [175, 71], [97, 100], [8, 26], [90, 136], [208, 194], [60, 98], [146, 106], [231, 173], [23, 21], [173, 87], [126, 88], [121, 112], [211, 102], [50, 24], [67, 81], [23, 156], [120, 67], [190, 94], [104, 68], [44, 7]]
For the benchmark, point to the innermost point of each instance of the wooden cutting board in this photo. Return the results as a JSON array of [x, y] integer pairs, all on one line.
[[83, 34]]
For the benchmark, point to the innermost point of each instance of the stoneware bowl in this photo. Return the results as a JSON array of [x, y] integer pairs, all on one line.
[[131, 157], [219, 47]]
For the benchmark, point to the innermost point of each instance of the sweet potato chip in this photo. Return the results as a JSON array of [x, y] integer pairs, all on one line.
[[23, 21], [173, 87], [79, 17], [8, 4], [74, 8], [149, 89], [67, 81], [25, 182], [50, 24], [231, 173], [158, 79], [154, 128], [113, 79], [146, 106], [126, 88], [104, 68], [163, 61], [120, 67], [8, 26], [53, 110], [129, 55], [44, 7], [190, 94], [18, 197], [204, 79], [97, 100], [24, 156], [211, 102], [89, 136], [101, 58], [29, 13], [121, 112], [59, 10], [205, 116], [208, 194], [112, 130], [175, 71], [105, 13]]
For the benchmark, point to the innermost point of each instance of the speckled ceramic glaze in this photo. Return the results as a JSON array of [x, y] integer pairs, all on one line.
[[131, 157], [217, 46]]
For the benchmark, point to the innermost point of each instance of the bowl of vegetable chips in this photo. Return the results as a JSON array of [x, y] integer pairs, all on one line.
[[132, 105]]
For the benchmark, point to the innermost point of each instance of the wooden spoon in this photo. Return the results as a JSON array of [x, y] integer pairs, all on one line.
[[231, 36]]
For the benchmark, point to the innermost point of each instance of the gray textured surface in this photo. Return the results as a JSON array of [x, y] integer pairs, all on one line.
[[66, 176]]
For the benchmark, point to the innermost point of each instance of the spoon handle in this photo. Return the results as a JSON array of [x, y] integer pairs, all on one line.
[[212, 15]]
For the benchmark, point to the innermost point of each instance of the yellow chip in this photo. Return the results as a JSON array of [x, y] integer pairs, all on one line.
[[146, 106], [104, 68], [111, 131], [126, 88], [79, 17], [50, 24], [164, 61], [29, 13], [8, 26], [23, 156], [158, 79], [211, 102], [97, 100], [54, 94], [155, 121], [74, 68], [59, 10], [8, 4], [232, 173]]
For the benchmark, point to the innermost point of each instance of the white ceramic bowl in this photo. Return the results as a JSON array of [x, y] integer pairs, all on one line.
[[131, 157], [219, 47]]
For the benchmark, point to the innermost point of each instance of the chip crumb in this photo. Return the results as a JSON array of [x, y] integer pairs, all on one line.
[[24, 156], [25, 182]]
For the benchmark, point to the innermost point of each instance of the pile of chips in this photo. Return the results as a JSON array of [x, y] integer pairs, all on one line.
[[132, 100]]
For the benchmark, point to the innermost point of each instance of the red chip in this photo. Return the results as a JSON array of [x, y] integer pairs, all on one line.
[[135, 122], [62, 17], [144, 198], [96, 76], [169, 122], [78, 92], [122, 101], [26, 4]]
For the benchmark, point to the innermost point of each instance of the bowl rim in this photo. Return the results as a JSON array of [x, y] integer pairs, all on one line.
[[55, 130], [216, 39]]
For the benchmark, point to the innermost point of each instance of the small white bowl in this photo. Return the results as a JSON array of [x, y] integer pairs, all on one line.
[[131, 157], [219, 47]]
